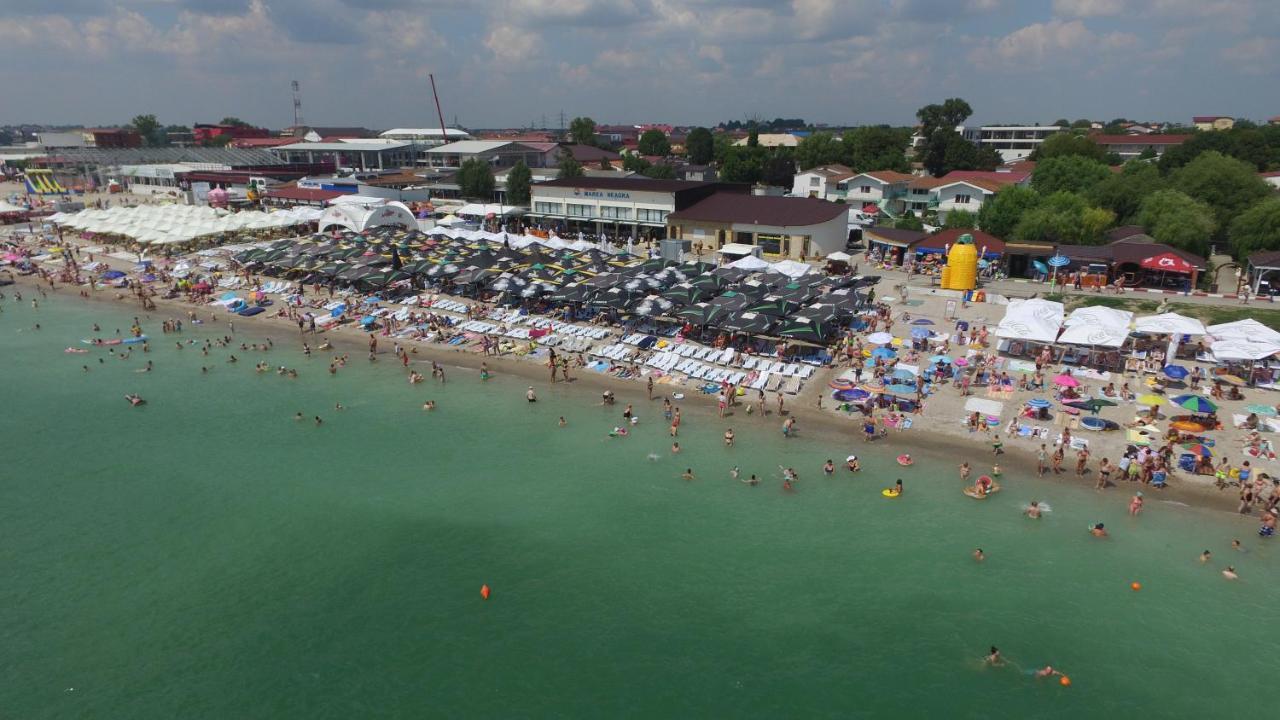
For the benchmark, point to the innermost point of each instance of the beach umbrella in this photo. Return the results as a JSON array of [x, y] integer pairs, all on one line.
[[883, 352], [900, 389], [805, 330], [1058, 261], [1039, 404], [1040, 267], [701, 313], [751, 323], [654, 305], [1065, 380], [1229, 378], [940, 359], [879, 338], [961, 362], [773, 305], [1194, 403], [686, 294], [112, 275], [1149, 399], [922, 321], [1175, 372], [920, 333], [1093, 405], [731, 301], [573, 293], [1260, 409], [1198, 449]]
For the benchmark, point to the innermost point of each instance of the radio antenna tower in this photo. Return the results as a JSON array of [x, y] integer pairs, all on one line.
[[297, 105]]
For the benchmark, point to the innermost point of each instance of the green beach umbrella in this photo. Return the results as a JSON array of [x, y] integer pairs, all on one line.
[[1093, 405]]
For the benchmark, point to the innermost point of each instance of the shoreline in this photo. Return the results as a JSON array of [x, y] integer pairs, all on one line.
[[1017, 460]]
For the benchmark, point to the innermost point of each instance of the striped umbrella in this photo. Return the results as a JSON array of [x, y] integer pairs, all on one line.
[[1194, 403], [1198, 449], [1039, 403]]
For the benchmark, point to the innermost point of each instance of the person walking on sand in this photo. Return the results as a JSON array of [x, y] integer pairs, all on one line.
[[1058, 456], [649, 387], [1082, 461], [1042, 460]]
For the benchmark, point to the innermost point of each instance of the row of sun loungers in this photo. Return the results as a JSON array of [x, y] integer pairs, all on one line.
[[277, 287], [617, 351]]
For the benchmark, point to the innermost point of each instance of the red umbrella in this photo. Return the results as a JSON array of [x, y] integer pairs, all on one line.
[[1167, 262], [1066, 381]]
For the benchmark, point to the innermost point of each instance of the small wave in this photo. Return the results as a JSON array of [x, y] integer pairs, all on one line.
[[1044, 507], [1175, 502], [653, 457]]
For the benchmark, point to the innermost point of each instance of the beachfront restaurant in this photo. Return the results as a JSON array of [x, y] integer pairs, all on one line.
[[1137, 261], [781, 227], [895, 245], [618, 207]]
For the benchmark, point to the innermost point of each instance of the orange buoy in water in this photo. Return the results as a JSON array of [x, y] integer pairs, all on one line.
[[1136, 586], [484, 591], [1065, 681]]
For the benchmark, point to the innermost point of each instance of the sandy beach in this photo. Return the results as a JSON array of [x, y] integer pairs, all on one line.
[[939, 430]]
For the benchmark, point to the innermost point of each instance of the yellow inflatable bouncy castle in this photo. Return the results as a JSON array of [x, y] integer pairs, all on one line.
[[961, 270]]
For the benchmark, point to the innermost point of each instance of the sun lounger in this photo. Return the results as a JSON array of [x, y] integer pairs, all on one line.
[[790, 386]]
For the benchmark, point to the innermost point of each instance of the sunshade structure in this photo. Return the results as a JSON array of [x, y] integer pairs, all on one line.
[[805, 330], [701, 313], [1093, 405], [748, 322], [1096, 326], [1037, 320], [1194, 403]]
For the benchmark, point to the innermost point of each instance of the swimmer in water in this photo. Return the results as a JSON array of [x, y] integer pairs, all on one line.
[[1135, 505], [1047, 671], [979, 555], [993, 657], [828, 468], [319, 421], [562, 421], [897, 487], [995, 470], [687, 474], [338, 406], [429, 405], [728, 437], [1235, 545], [852, 463], [298, 415], [1098, 530], [1033, 510], [786, 484], [734, 472], [753, 480], [675, 447], [1205, 556], [1230, 573], [135, 399]]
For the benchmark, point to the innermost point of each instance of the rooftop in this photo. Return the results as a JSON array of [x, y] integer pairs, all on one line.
[[376, 146], [637, 184], [1139, 139], [424, 132], [470, 147], [726, 207]]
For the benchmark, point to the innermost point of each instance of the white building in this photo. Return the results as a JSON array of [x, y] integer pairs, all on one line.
[[781, 227], [497, 154], [426, 136], [633, 206], [1013, 142], [885, 189], [959, 190], [772, 140], [819, 182]]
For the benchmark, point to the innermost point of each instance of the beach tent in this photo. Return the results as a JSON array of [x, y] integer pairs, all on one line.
[[359, 218], [1168, 323], [1037, 320], [1097, 325], [790, 268], [750, 262], [1248, 329], [1241, 349]]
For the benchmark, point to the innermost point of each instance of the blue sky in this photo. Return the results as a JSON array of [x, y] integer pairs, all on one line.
[[510, 62]]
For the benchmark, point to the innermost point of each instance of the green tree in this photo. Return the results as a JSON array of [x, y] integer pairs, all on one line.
[[699, 146], [633, 162], [1175, 219], [1001, 214], [876, 147], [1082, 124], [149, 128], [1256, 229], [1073, 173], [237, 122], [568, 167], [753, 138], [659, 171], [777, 169], [960, 219], [1122, 193], [475, 179], [1227, 185], [1066, 143], [582, 130], [1061, 122], [1064, 217], [820, 148], [951, 113], [908, 222], [742, 165], [654, 142], [519, 178]]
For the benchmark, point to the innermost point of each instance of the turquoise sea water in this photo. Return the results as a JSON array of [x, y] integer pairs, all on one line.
[[205, 556]]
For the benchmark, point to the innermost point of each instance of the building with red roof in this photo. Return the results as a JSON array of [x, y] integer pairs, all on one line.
[[1131, 146]]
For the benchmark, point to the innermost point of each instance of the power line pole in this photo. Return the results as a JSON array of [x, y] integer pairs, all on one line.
[[297, 104]]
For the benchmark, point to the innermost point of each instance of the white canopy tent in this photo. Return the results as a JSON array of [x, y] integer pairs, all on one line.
[[1036, 320], [359, 218], [750, 262], [1247, 329], [1168, 323], [1097, 325], [164, 224], [1241, 349], [485, 210], [790, 268]]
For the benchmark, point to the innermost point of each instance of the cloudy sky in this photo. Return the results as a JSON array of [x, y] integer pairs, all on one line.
[[510, 62]]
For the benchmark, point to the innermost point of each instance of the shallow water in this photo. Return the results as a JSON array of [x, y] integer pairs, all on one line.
[[207, 556]]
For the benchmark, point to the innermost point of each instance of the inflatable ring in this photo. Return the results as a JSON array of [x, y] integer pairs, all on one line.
[[889, 493], [905, 460]]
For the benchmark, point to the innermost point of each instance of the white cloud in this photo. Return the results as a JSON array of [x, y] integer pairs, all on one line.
[[1031, 46], [512, 45], [1087, 8], [1252, 55]]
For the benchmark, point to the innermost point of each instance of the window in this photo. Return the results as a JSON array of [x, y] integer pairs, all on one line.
[[772, 244], [813, 181], [651, 216], [546, 208], [962, 199], [865, 189], [575, 210], [613, 212]]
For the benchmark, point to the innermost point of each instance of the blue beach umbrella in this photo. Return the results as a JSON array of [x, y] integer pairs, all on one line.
[[883, 352], [338, 311], [922, 321], [903, 374], [112, 275], [1039, 403], [940, 359], [1059, 261], [1260, 409], [1194, 403], [899, 389], [921, 333], [1175, 372], [1040, 267]]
